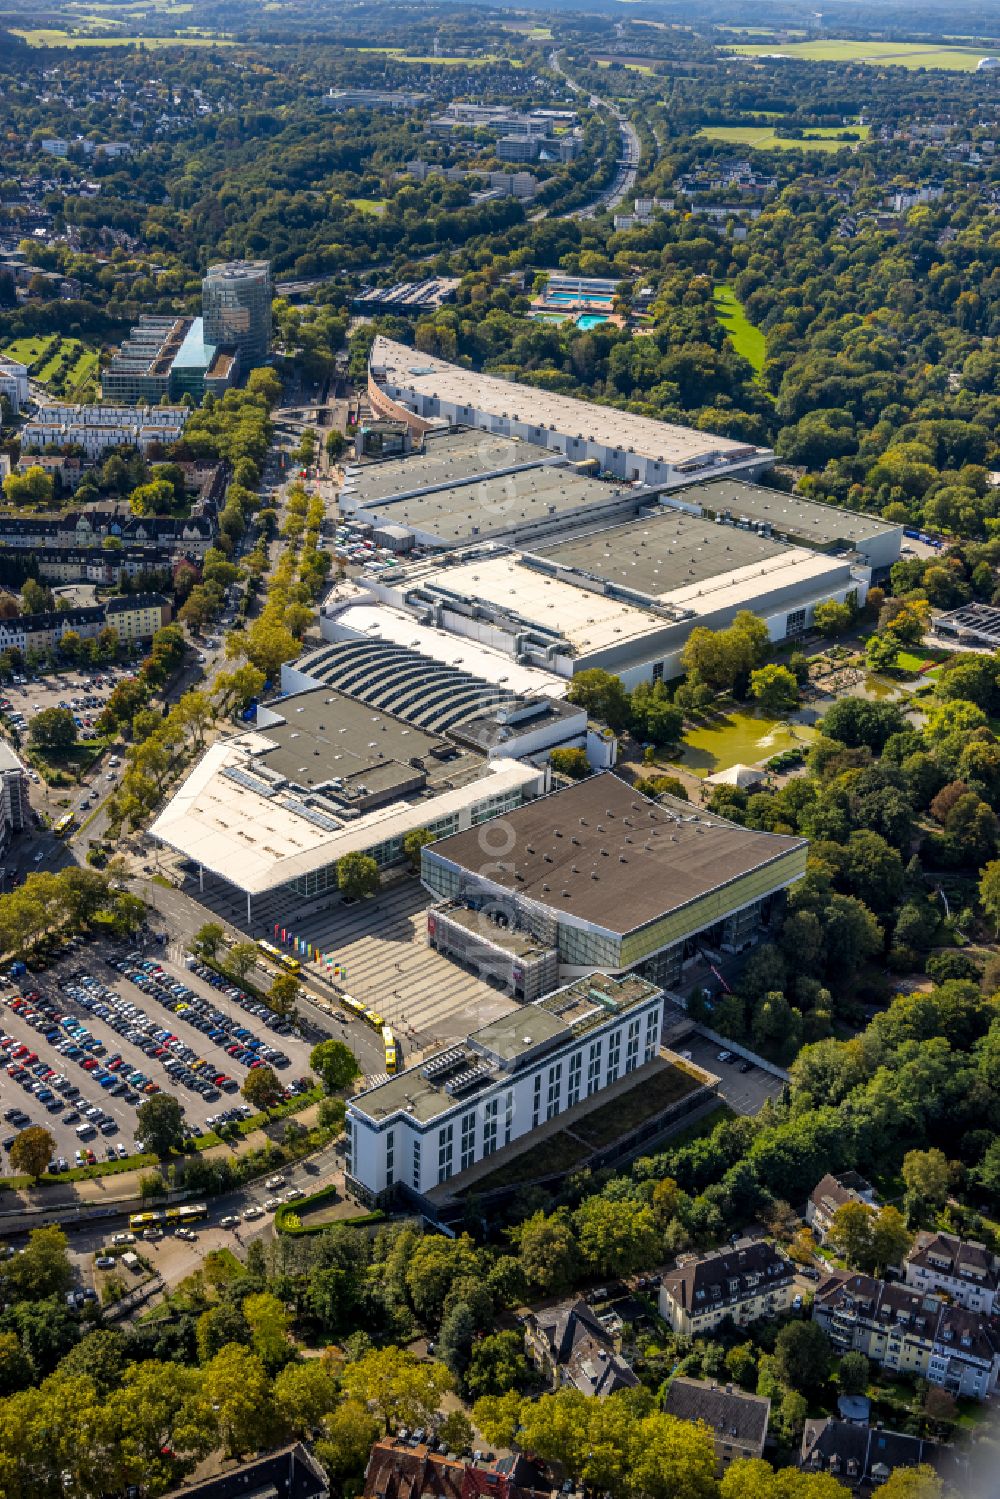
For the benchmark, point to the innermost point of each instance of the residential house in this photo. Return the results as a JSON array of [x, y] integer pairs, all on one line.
[[408, 1467], [572, 1346], [962, 1270], [862, 1457], [738, 1421], [137, 616], [13, 382], [910, 1332], [832, 1193], [746, 1282]]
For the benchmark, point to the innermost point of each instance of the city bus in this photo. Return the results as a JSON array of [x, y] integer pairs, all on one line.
[[64, 824], [163, 1218], [275, 955], [391, 1054]]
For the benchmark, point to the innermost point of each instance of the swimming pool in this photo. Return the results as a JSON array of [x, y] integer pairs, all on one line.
[[601, 299], [591, 320]]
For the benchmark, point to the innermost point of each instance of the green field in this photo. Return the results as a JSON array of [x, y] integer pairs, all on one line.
[[447, 62], [633, 67], [375, 207], [53, 38], [745, 337], [43, 355], [885, 54], [763, 138]]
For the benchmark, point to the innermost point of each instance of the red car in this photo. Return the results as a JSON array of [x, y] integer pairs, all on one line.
[[19, 1052], [88, 1064]]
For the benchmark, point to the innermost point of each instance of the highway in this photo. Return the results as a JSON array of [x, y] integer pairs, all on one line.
[[628, 162]]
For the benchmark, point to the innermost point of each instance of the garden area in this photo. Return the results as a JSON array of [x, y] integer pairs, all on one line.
[[65, 366]]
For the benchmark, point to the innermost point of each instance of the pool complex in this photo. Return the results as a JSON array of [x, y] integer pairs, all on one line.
[[600, 299], [585, 321]]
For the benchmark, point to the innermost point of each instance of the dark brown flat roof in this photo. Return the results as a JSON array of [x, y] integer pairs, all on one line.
[[600, 851]]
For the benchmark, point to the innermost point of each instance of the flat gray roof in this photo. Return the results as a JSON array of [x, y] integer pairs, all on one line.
[[327, 734], [503, 1046], [450, 457], [662, 552], [603, 853], [800, 519], [499, 503]]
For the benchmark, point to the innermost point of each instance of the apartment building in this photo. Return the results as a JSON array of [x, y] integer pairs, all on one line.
[[963, 1270], [14, 807], [135, 618], [98, 428], [571, 1346], [13, 382], [738, 1421], [747, 1282], [909, 1332]]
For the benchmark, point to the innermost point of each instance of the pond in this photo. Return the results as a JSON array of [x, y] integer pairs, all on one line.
[[740, 738]]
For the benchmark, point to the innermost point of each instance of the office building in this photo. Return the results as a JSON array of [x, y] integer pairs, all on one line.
[[14, 383], [422, 389], [372, 98], [613, 880], [747, 1282], [236, 307], [15, 809], [433, 1122], [323, 774], [738, 1421], [910, 1332]]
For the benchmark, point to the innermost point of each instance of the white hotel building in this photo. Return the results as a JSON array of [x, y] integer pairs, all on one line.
[[419, 1130]]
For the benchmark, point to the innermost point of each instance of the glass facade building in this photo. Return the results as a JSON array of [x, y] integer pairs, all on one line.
[[236, 306]]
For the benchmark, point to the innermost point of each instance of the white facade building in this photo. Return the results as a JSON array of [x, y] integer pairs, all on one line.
[[14, 382], [435, 1121], [98, 428]]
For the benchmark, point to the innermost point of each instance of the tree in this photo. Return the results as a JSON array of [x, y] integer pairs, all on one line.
[[303, 1394], [334, 1064], [268, 1322], [927, 1176], [570, 762], [413, 841], [42, 1268], [850, 1232], [802, 1355], [602, 696], [208, 938], [615, 1237], [159, 1124], [913, 1483], [262, 1088], [283, 993], [831, 618], [237, 1388], [456, 1431], [891, 1239], [854, 1374], [241, 959], [32, 1151], [400, 1388], [989, 892], [349, 1432], [53, 729], [497, 1364], [455, 1340], [654, 786], [882, 653], [357, 875], [775, 688], [654, 716], [547, 1250]]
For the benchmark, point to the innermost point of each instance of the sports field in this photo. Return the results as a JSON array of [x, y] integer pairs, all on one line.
[[763, 138], [745, 337], [884, 54]]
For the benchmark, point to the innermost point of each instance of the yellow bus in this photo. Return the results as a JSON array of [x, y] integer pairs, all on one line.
[[391, 1054], [176, 1217], [64, 824], [275, 955]]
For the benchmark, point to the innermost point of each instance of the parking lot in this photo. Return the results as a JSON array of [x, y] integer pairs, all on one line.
[[113, 1038], [745, 1092], [84, 691]]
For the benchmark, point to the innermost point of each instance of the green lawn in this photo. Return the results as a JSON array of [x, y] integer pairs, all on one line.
[[745, 337], [764, 138], [885, 54], [44, 357], [448, 62], [375, 207]]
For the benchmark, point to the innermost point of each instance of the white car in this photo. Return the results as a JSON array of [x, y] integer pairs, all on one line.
[[274, 1182], [723, 1056], [231, 1220], [273, 1204], [123, 1238], [253, 1212], [293, 1194], [105, 1262], [186, 1233]]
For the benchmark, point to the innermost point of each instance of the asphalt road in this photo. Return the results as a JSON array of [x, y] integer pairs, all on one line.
[[628, 165]]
